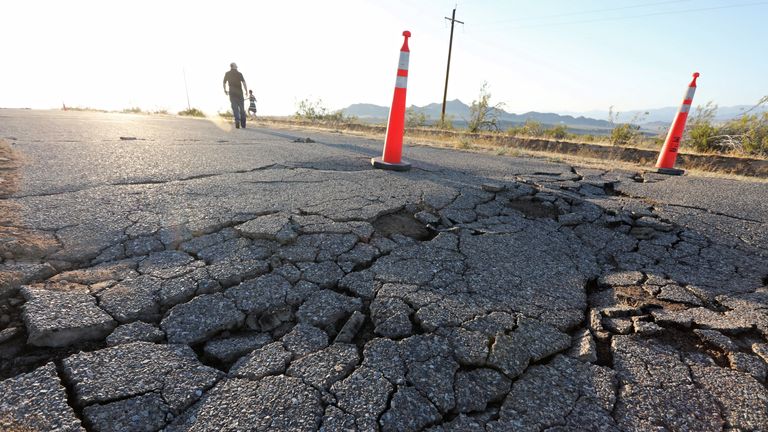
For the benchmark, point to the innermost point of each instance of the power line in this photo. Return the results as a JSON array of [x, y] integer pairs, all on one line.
[[638, 16], [186, 89], [453, 21], [589, 11]]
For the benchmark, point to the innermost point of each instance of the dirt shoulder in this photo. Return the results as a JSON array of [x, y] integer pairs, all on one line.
[[10, 161], [18, 244], [589, 153]]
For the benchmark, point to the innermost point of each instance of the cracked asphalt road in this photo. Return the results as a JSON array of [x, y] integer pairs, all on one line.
[[200, 278]]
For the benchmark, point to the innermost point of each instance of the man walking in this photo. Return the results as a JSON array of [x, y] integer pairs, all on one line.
[[234, 79]]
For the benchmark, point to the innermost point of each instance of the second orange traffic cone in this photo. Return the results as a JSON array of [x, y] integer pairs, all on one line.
[[668, 155], [393, 143]]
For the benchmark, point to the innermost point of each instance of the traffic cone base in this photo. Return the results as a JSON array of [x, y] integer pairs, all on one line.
[[670, 171], [379, 163]]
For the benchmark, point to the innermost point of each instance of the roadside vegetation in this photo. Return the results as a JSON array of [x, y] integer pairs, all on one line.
[[137, 110], [82, 109], [483, 115], [315, 110], [745, 136], [131, 110], [446, 124], [415, 119], [623, 134], [192, 112]]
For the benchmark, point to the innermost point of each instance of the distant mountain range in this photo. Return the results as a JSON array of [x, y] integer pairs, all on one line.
[[459, 112], [666, 114], [651, 120]]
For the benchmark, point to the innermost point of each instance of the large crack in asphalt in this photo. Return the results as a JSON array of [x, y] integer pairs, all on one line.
[[716, 213], [651, 201], [149, 182], [71, 393], [480, 214]]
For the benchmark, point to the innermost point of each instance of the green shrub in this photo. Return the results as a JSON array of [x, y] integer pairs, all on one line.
[[415, 119], [315, 110], [557, 132], [335, 116], [513, 131], [464, 143], [483, 115], [623, 134], [700, 136], [700, 130], [446, 124], [84, 109], [134, 110], [192, 112], [747, 134], [532, 128], [311, 110]]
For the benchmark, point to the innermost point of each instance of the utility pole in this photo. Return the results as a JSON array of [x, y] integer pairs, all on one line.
[[453, 20], [183, 71]]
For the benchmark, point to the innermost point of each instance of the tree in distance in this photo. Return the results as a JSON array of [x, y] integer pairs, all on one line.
[[415, 119], [316, 110], [483, 115], [625, 133]]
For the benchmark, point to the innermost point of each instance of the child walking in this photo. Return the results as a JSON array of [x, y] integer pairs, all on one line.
[[252, 106]]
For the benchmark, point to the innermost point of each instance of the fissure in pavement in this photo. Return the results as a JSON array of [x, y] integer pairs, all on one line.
[[450, 312]]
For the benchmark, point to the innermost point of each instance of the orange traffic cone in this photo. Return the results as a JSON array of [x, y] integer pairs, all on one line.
[[666, 162], [393, 143]]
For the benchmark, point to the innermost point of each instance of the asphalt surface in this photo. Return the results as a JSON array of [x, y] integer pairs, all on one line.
[[192, 277]]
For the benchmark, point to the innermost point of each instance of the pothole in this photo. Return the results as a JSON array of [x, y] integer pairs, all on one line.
[[591, 286], [403, 223], [365, 334], [205, 359], [16, 356], [765, 281], [638, 297], [602, 341], [604, 354], [683, 340], [23, 358], [534, 209]]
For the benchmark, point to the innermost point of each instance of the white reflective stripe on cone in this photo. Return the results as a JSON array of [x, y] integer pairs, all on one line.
[[691, 91], [402, 82], [685, 108], [403, 64]]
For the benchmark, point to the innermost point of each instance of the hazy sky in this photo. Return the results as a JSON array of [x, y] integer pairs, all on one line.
[[544, 55]]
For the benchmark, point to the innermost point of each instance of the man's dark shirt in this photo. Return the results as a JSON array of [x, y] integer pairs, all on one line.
[[234, 78]]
